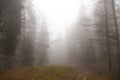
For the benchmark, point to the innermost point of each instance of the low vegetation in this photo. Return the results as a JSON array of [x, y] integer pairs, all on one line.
[[49, 73]]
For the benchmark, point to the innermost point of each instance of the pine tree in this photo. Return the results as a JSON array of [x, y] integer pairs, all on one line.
[[42, 45], [10, 28]]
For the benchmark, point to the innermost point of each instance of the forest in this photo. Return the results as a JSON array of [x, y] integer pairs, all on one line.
[[59, 39]]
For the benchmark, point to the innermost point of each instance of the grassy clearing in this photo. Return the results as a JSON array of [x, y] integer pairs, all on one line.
[[49, 73]]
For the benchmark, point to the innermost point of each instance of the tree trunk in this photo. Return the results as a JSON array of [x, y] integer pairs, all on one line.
[[117, 39], [107, 36]]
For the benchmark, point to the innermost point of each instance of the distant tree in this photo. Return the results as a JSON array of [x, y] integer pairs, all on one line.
[[103, 36], [42, 45], [81, 48]]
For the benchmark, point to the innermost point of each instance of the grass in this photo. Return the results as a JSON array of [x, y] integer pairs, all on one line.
[[49, 73]]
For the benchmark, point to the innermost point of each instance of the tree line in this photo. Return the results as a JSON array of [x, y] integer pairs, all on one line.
[[96, 45], [17, 35]]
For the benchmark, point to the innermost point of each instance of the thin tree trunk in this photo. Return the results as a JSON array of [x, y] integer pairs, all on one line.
[[107, 36], [117, 39]]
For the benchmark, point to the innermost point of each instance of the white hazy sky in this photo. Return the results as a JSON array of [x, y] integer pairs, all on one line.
[[59, 14]]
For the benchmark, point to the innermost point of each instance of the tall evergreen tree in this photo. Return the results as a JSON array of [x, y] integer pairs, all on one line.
[[25, 49], [42, 45], [10, 28]]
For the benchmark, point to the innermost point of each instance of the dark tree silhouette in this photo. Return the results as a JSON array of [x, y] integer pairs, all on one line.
[[10, 28], [25, 49]]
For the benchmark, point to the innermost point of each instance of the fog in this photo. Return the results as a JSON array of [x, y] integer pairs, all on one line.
[[82, 34], [59, 20]]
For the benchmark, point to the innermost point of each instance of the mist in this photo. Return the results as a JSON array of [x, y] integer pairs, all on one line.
[[60, 20], [82, 35]]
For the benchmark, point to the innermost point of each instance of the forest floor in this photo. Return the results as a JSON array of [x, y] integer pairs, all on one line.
[[50, 73]]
